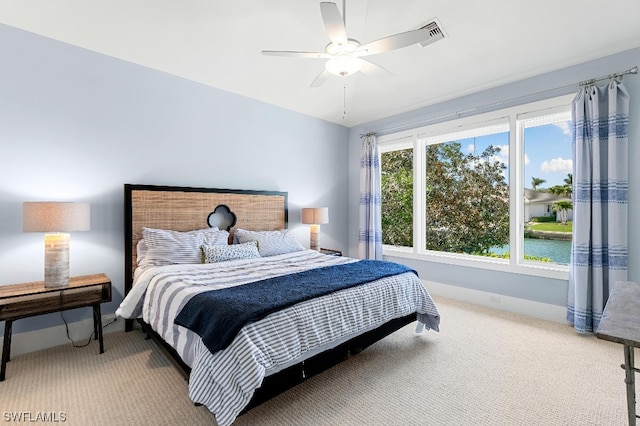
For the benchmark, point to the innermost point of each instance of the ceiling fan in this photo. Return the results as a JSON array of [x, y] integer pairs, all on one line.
[[345, 54]]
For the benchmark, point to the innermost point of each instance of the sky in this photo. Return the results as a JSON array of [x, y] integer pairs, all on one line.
[[548, 152]]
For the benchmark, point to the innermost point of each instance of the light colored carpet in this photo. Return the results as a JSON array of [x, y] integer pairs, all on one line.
[[485, 367]]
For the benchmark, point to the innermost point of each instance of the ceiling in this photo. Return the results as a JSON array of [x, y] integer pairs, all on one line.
[[218, 43]]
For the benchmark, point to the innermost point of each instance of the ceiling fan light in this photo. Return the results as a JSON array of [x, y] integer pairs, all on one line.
[[343, 65], [338, 49]]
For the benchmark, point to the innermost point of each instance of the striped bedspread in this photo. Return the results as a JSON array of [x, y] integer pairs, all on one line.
[[277, 340]]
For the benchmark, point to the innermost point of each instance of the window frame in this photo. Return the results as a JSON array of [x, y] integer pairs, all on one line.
[[418, 138]]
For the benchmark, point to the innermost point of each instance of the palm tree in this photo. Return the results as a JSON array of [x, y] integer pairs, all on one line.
[[561, 207], [569, 179], [535, 182], [561, 190]]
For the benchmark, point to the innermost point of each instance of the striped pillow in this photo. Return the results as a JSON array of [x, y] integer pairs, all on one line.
[[166, 247], [270, 243], [212, 254]]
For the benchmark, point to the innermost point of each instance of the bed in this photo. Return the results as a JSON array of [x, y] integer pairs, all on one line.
[[246, 259]]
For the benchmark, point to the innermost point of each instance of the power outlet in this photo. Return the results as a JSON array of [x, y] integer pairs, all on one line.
[[494, 299]]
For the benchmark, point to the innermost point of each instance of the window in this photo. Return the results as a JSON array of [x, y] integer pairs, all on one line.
[[548, 183], [397, 197], [467, 191], [492, 190]]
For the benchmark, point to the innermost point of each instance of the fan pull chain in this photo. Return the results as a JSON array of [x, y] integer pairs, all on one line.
[[344, 97]]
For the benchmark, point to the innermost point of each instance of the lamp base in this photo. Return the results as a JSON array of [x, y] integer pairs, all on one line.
[[56, 260], [314, 231]]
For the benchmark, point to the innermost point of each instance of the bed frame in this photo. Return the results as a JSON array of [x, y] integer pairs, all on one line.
[[186, 209]]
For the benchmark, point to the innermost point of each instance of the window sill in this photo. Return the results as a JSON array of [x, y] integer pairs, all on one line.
[[559, 272]]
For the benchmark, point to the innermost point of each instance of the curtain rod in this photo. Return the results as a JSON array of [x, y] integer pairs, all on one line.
[[458, 114], [633, 70]]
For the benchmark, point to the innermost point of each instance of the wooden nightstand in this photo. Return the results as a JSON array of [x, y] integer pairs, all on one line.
[[30, 299], [330, 252]]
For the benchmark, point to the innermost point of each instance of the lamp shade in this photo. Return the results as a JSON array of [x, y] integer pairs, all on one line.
[[55, 216], [315, 215]]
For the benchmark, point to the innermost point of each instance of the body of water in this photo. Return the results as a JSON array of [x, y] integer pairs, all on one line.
[[557, 250]]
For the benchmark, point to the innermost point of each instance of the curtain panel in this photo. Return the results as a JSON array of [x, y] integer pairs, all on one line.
[[370, 227], [600, 173]]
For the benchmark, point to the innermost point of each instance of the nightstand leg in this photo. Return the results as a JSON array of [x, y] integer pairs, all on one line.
[[6, 348], [97, 324]]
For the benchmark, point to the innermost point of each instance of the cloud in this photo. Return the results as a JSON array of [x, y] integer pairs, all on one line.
[[557, 165], [470, 148], [503, 155], [565, 126]]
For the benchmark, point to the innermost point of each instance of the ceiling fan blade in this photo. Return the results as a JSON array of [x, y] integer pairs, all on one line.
[[333, 23], [393, 42], [321, 78], [370, 68], [289, 53]]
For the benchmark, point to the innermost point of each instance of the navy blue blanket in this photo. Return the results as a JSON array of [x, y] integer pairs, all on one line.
[[218, 315]]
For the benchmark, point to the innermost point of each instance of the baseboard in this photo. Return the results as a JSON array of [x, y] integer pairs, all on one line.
[[530, 308], [31, 341]]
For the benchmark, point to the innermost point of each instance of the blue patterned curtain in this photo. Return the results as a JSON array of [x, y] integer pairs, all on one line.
[[599, 248], [370, 229]]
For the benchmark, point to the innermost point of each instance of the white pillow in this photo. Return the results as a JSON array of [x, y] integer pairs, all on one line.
[[212, 254], [270, 243], [165, 247], [141, 252]]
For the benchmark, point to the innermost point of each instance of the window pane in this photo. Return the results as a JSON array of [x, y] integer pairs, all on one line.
[[467, 194], [397, 197], [548, 214]]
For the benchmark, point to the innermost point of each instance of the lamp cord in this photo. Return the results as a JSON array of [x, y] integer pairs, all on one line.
[[66, 326]]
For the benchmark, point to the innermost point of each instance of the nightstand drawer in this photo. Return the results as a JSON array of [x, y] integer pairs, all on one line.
[[29, 299], [37, 304]]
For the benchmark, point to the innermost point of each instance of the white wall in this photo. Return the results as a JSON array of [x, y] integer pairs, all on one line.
[[536, 210], [545, 290], [77, 125]]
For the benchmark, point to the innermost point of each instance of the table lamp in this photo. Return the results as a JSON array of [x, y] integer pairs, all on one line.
[[315, 216], [55, 219]]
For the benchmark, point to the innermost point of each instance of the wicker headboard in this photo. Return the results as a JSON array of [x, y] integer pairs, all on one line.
[[186, 209]]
